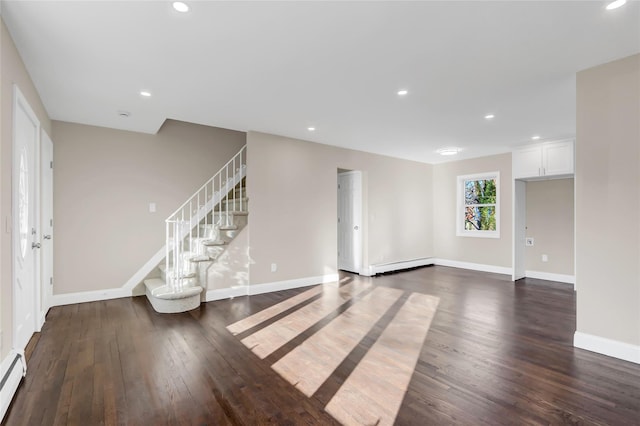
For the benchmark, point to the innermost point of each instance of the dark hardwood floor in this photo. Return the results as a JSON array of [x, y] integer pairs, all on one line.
[[496, 353]]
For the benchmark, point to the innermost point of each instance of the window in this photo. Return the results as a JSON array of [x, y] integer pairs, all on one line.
[[479, 205]]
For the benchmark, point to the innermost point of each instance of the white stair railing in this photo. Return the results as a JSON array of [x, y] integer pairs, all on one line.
[[190, 224]]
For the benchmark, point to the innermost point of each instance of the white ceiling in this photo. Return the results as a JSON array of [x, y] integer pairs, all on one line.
[[280, 67]]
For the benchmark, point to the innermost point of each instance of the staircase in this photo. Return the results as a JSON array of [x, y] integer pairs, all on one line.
[[197, 234]]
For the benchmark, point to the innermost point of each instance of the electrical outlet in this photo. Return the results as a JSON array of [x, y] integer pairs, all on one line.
[[545, 258], [274, 267], [528, 242], [152, 207]]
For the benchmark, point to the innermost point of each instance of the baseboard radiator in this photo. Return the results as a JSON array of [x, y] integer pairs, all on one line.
[[399, 266], [13, 369]]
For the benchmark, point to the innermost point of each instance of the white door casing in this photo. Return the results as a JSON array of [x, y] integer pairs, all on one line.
[[26, 135], [350, 221], [46, 225], [519, 229]]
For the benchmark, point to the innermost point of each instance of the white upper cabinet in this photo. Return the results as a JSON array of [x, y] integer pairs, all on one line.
[[557, 158], [543, 160]]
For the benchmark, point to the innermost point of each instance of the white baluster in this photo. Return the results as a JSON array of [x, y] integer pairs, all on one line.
[[182, 236], [167, 242], [174, 274], [226, 193]]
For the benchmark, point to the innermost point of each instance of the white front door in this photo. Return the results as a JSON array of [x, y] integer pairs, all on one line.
[[26, 134], [350, 221], [46, 223]]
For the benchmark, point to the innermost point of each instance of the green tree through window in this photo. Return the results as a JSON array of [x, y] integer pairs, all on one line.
[[478, 204]]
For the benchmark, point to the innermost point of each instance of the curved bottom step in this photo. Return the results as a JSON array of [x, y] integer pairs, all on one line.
[[166, 301]]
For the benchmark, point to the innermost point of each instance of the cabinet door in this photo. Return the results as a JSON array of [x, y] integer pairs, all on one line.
[[527, 162], [557, 158]]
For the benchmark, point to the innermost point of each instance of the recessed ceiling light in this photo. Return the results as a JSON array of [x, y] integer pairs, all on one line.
[[489, 116], [180, 6], [452, 150], [616, 4], [535, 138], [402, 92], [311, 129], [145, 93]]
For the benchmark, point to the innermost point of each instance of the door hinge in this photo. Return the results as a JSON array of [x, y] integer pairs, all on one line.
[[338, 220], [338, 186], [51, 281], [50, 222], [51, 164]]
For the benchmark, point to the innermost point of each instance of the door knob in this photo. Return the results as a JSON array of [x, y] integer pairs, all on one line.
[[35, 245], [356, 228]]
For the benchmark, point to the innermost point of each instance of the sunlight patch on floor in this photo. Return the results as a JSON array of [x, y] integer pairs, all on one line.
[[375, 389], [269, 339], [260, 317], [310, 364]]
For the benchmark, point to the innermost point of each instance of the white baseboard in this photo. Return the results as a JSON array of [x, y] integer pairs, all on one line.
[[473, 266], [13, 377], [89, 296], [226, 293], [604, 346], [561, 278], [289, 284], [117, 293], [398, 266]]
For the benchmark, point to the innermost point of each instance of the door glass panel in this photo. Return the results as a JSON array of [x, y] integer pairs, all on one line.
[[23, 203]]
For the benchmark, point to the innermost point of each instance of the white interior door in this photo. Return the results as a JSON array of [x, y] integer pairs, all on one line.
[[519, 228], [46, 223], [350, 221], [26, 135]]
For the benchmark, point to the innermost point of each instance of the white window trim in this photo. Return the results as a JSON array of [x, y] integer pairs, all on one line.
[[460, 231]]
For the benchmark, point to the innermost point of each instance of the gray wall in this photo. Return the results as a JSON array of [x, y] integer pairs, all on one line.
[[104, 180], [12, 70], [608, 201], [550, 222], [292, 188], [486, 251]]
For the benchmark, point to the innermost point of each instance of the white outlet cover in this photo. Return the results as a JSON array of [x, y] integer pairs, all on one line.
[[274, 267], [152, 207]]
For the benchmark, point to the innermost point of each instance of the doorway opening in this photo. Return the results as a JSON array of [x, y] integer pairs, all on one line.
[[543, 229]]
